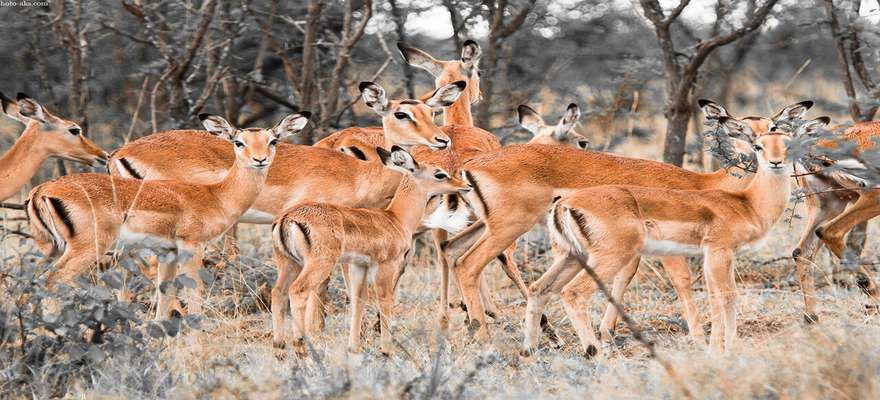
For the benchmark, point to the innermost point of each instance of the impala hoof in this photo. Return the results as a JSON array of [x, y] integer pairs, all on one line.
[[279, 344], [796, 253], [525, 353], [591, 352], [819, 233], [492, 314], [864, 283]]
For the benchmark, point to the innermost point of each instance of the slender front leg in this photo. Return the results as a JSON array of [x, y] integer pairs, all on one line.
[[564, 268], [288, 270], [166, 272], [680, 275], [357, 284], [439, 237], [722, 291], [196, 253], [385, 294]]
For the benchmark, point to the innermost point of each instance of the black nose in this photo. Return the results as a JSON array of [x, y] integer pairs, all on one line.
[[776, 163], [260, 160]]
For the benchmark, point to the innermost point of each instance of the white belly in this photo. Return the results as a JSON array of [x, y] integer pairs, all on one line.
[[655, 247], [252, 216], [451, 222]]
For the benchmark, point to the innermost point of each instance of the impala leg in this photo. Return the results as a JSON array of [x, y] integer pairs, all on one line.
[[288, 270], [680, 275], [833, 232], [722, 291], [385, 295], [357, 284], [621, 282], [820, 208], [193, 298], [315, 272], [166, 298], [471, 264], [439, 236], [564, 268]]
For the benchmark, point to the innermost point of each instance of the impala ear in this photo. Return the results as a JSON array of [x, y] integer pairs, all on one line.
[[812, 126], [529, 119], [29, 108], [398, 159], [711, 109], [10, 108], [292, 124], [420, 59], [470, 54], [793, 112], [374, 97], [446, 95], [568, 121], [217, 125]]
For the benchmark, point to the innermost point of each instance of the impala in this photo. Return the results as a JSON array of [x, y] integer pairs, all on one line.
[[514, 186], [310, 238], [45, 135], [607, 228], [79, 217]]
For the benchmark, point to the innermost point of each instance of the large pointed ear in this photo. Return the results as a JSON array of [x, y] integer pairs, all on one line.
[[291, 124], [793, 112], [813, 126], [217, 125], [374, 97], [529, 119], [711, 109], [398, 159], [737, 129], [470, 54], [29, 108], [568, 121], [446, 95], [10, 108], [420, 59]]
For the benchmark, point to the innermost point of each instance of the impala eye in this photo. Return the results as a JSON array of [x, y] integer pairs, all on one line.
[[440, 176], [758, 147], [75, 131], [238, 144], [273, 142], [400, 115]]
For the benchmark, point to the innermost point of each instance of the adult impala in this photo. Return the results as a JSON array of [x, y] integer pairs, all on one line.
[[45, 135], [79, 217], [607, 228]]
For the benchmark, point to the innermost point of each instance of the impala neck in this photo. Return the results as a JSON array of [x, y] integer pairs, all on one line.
[[768, 194], [22, 161], [733, 179], [408, 204], [459, 113], [239, 188]]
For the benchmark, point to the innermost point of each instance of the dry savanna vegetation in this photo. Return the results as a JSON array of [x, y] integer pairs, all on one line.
[[153, 277]]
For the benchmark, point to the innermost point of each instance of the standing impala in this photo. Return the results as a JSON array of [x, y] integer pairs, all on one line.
[[607, 228], [45, 135], [80, 216], [514, 186], [310, 238]]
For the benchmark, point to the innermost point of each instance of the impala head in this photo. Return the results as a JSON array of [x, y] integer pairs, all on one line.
[[784, 120], [771, 147], [562, 133], [433, 180], [445, 72], [255, 147], [59, 137], [411, 122]]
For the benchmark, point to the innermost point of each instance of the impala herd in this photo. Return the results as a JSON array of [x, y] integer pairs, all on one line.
[[358, 196]]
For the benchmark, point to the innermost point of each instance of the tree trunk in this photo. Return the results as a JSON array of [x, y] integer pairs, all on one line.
[[676, 135], [399, 20]]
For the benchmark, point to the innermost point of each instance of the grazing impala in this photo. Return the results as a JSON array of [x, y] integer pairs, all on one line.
[[607, 228], [514, 186], [45, 135], [80, 216], [310, 238]]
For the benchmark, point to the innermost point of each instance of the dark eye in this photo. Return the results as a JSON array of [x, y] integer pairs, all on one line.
[[440, 176], [273, 142], [238, 144], [75, 131], [758, 147], [400, 115]]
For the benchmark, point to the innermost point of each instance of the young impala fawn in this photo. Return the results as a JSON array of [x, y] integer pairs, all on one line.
[[607, 228], [835, 206], [45, 135], [514, 186], [310, 238], [79, 217]]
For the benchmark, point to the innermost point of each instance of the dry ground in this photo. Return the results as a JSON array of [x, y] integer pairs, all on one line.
[[777, 355]]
